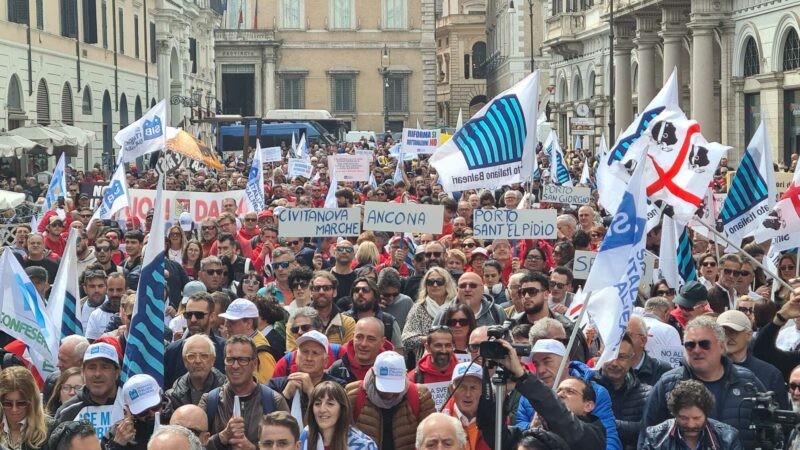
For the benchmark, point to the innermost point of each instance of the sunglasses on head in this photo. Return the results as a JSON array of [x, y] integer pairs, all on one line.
[[705, 344]]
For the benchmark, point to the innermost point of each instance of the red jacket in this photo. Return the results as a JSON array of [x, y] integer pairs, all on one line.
[[431, 374], [56, 247], [360, 370], [475, 440]]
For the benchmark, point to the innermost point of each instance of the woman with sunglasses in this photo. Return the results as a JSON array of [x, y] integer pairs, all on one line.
[[709, 270], [436, 288], [461, 319], [25, 423], [299, 280], [190, 260], [249, 286], [662, 289], [67, 386], [596, 234], [329, 421], [468, 245], [176, 242], [787, 269]]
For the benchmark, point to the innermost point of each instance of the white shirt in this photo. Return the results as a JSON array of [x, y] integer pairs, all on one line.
[[86, 312], [97, 323], [788, 338], [660, 336]]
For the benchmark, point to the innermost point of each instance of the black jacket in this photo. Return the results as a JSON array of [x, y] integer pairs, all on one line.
[[69, 410], [181, 392], [765, 349], [716, 436], [176, 280], [627, 404], [173, 358], [770, 377], [651, 370]]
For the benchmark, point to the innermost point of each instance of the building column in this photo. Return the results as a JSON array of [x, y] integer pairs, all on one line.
[[623, 109], [268, 78], [772, 110], [163, 68], [702, 98], [646, 40], [672, 32]]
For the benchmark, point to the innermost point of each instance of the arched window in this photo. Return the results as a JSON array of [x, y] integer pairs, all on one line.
[[591, 84], [42, 103], [123, 111], [14, 100], [751, 65], [86, 105], [137, 108], [478, 58], [67, 115], [791, 51], [577, 88]]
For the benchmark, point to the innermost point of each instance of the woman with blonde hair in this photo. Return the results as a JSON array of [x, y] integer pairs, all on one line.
[[435, 289], [176, 242], [329, 420], [367, 254], [25, 424]]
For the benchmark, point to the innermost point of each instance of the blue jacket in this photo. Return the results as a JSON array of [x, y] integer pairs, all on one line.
[[602, 408], [356, 440]]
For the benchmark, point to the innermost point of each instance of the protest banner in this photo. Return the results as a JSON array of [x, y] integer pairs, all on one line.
[[199, 204], [93, 190], [404, 217], [672, 355], [319, 222], [566, 194], [782, 181], [299, 167], [350, 167], [582, 263], [438, 393], [271, 154], [514, 223], [364, 151], [416, 140]]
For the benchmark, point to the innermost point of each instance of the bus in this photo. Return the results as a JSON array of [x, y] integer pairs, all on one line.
[[337, 128], [272, 135]]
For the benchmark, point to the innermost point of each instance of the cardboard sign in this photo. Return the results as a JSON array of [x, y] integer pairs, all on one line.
[[319, 222], [350, 167], [404, 217], [514, 223], [93, 190], [416, 140], [582, 264], [199, 204], [438, 392], [671, 355], [566, 194], [782, 181], [271, 154], [299, 167]]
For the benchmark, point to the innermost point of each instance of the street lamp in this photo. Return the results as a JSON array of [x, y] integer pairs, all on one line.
[[385, 75]]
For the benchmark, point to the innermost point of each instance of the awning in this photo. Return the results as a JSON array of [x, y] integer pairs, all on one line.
[[49, 138], [82, 137], [10, 199], [15, 146]]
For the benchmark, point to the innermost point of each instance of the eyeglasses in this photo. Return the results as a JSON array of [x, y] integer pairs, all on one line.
[[86, 216], [71, 387], [558, 285], [346, 249], [534, 258], [322, 287], [213, 272], [744, 273], [292, 242], [434, 282], [388, 295], [709, 264], [241, 360], [794, 386], [251, 282], [433, 254], [663, 292], [15, 404], [468, 245], [458, 322], [746, 310], [102, 249], [529, 292], [361, 289], [251, 219], [199, 315], [279, 265], [468, 286], [787, 267], [380, 194], [298, 328], [705, 344], [208, 227], [192, 357], [300, 285]]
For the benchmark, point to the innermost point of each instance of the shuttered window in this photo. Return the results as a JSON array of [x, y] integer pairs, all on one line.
[[14, 101], [67, 115], [42, 103], [397, 93], [86, 105], [89, 21], [69, 18], [343, 94], [18, 11], [293, 95], [136, 36]]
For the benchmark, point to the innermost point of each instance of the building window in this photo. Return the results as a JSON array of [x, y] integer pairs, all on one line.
[[42, 103], [193, 53], [341, 14], [121, 25], [104, 22], [89, 21], [791, 124], [40, 14], [291, 14], [558, 7], [343, 94], [67, 115], [86, 105], [69, 18], [239, 14], [395, 14], [751, 66], [19, 11], [152, 37], [467, 66], [136, 36], [791, 51], [752, 114], [137, 108], [396, 93], [478, 58], [14, 100], [123, 111], [293, 93]]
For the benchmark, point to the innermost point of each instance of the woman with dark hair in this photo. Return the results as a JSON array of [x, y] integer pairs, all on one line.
[[25, 424], [192, 254], [249, 286], [460, 318], [329, 420], [535, 260], [708, 269], [493, 282], [67, 386], [662, 289]]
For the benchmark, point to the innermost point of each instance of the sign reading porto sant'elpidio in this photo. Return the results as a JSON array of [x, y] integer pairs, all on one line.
[[404, 217], [319, 222], [514, 223]]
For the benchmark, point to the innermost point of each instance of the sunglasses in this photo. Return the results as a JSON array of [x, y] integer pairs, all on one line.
[[434, 282], [199, 315], [388, 295], [735, 273], [433, 254], [419, 258], [279, 265], [300, 285], [15, 404], [208, 228], [250, 282], [323, 287], [102, 249], [458, 322], [663, 292], [529, 292], [292, 242], [787, 267], [709, 264], [468, 286], [558, 285], [794, 386], [214, 271], [468, 245], [251, 219], [345, 249], [746, 310], [705, 344], [361, 289], [298, 328]]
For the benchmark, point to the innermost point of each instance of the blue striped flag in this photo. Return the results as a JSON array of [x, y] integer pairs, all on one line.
[[687, 267], [145, 350], [63, 306], [559, 173]]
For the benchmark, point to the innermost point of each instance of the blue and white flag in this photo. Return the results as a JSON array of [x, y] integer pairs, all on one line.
[[115, 196], [614, 278], [751, 195], [398, 169], [577, 143], [294, 146], [58, 184], [372, 181], [302, 148], [23, 315], [254, 191], [676, 264], [64, 306], [586, 178], [559, 172], [146, 135], [330, 199], [460, 123], [496, 146], [145, 350]]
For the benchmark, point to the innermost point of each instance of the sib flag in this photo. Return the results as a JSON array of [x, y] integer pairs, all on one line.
[[559, 173], [784, 218], [63, 305], [146, 135], [254, 191], [115, 196], [496, 146], [145, 350], [58, 184]]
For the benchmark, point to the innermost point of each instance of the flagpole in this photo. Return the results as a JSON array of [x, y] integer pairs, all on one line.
[[571, 342]]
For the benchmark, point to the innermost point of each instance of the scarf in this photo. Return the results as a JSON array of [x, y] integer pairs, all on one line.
[[431, 307], [374, 396]]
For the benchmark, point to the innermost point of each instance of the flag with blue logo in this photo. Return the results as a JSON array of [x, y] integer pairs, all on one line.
[[63, 306], [614, 278], [23, 315], [254, 191], [496, 146], [676, 264], [115, 196], [58, 184], [145, 350], [146, 135], [559, 172], [752, 192]]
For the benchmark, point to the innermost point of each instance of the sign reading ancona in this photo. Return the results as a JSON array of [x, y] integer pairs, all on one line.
[[404, 217]]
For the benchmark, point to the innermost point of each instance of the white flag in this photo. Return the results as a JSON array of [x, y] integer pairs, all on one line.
[[146, 135], [64, 306], [330, 199], [254, 192], [585, 176], [785, 216], [302, 148], [115, 197], [460, 123]]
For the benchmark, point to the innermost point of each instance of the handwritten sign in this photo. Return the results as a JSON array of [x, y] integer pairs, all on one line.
[[199, 204], [514, 223], [566, 194], [404, 217], [671, 355], [416, 140], [582, 264], [438, 392], [299, 167], [271, 154], [350, 167], [782, 181], [319, 222]]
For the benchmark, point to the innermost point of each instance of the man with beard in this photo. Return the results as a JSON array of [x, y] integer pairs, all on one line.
[[86, 256], [208, 234], [103, 251], [794, 388], [99, 318], [434, 255], [342, 270], [95, 286], [435, 369], [360, 353], [338, 327], [365, 304], [212, 273]]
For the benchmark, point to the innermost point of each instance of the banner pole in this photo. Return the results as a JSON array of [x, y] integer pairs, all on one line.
[[571, 342]]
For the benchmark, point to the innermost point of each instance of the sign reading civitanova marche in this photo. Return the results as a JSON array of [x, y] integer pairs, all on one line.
[[319, 222], [552, 193], [514, 223], [404, 217]]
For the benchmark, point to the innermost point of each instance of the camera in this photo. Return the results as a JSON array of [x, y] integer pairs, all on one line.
[[766, 420], [494, 350]]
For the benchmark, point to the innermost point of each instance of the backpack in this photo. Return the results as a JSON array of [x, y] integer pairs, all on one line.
[[267, 405], [335, 349], [361, 399]]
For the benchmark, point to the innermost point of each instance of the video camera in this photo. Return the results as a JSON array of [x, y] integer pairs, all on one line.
[[494, 350], [766, 420]]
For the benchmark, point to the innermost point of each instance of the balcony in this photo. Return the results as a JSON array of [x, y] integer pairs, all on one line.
[[563, 33], [248, 35]]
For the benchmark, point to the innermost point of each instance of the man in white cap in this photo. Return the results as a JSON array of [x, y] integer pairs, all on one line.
[[100, 372], [386, 389], [241, 317], [143, 400], [466, 388]]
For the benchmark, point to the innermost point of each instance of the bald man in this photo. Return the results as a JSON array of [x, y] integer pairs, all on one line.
[[470, 293], [441, 431], [174, 437], [195, 419]]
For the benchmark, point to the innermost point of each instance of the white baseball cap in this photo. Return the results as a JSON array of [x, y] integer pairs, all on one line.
[[466, 369], [549, 346], [390, 372], [185, 220], [313, 336], [141, 392], [101, 350], [239, 309]]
